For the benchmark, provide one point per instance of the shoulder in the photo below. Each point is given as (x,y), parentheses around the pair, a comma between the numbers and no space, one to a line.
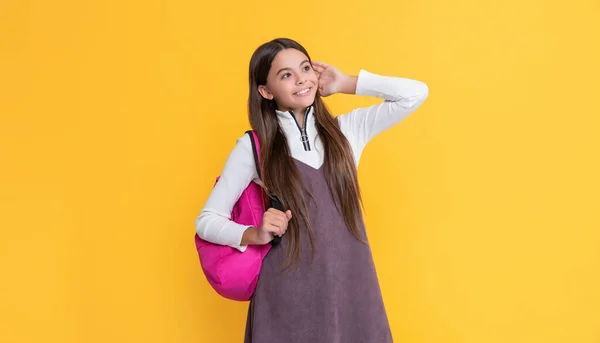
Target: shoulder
(243,148)
(240,162)
(243,143)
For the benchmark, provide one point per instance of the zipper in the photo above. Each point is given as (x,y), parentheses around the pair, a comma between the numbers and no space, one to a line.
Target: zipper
(303,134)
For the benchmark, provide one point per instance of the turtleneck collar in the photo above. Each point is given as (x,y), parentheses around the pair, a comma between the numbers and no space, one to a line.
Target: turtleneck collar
(289,117)
(289,121)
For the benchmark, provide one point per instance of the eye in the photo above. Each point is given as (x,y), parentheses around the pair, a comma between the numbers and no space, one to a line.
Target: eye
(307,68)
(286,75)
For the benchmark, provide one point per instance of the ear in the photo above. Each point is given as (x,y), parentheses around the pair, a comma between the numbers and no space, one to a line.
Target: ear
(265,92)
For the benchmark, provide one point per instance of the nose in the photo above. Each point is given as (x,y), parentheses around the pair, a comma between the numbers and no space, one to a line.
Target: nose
(300,80)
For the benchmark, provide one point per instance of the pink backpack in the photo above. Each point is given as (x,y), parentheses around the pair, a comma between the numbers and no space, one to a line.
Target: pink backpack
(234,274)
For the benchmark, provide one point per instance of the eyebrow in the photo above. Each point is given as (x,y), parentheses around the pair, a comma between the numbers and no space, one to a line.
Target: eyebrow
(282,69)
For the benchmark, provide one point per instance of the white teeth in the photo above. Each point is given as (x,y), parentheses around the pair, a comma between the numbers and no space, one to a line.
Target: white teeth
(304,91)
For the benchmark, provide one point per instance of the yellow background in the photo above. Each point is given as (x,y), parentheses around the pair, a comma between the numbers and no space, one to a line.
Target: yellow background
(482,206)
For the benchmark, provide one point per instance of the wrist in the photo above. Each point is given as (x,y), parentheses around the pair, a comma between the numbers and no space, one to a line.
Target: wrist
(252,236)
(348,84)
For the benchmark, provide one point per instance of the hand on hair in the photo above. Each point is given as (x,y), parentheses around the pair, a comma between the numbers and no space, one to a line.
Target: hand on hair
(332,80)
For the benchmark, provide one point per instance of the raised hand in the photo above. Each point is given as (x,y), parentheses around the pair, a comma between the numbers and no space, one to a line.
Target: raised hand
(332,80)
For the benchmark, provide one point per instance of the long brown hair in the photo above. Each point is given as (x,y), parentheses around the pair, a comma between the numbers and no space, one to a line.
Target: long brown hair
(279,173)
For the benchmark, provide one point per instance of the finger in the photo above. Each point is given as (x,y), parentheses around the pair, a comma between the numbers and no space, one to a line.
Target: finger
(275,211)
(284,226)
(286,222)
(281,229)
(318,68)
(320,64)
(282,215)
(279,222)
(278,219)
(273,229)
(271,212)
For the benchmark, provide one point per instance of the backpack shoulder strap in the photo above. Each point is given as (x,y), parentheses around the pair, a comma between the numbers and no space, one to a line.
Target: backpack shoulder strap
(255,150)
(273,201)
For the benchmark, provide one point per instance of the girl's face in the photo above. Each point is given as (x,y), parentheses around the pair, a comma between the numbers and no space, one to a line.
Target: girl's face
(291,81)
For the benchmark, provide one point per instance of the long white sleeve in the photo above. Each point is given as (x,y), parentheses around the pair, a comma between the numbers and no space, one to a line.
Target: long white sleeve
(214,223)
(402,97)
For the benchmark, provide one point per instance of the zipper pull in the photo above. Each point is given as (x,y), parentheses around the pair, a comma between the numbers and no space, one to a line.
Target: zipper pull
(305,141)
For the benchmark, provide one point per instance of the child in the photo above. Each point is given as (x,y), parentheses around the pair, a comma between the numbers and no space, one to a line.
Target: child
(319,284)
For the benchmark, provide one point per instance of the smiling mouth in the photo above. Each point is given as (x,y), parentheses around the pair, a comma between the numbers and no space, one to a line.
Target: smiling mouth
(303,92)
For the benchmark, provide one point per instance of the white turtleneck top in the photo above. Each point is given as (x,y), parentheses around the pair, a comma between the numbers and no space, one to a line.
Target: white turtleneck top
(401,97)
